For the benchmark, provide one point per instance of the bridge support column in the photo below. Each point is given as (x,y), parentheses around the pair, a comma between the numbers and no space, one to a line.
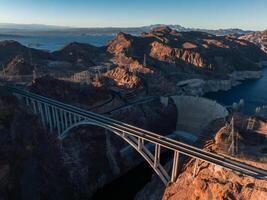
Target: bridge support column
(140,143)
(62,124)
(65,120)
(58,127)
(48,118)
(175,166)
(34,107)
(124,135)
(157,155)
(54,117)
(27,101)
(75,119)
(40,109)
(71,119)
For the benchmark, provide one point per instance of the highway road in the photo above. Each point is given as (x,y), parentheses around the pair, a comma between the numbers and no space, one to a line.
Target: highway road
(154,138)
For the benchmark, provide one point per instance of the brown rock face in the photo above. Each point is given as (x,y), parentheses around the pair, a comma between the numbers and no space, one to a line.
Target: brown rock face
(123,41)
(258,38)
(166,48)
(122,77)
(213,182)
(167,54)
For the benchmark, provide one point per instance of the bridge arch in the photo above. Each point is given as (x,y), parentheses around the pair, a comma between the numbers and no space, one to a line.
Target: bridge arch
(131,140)
(60,118)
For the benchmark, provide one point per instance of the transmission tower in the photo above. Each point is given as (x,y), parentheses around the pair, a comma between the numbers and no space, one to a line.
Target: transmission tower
(251,123)
(233,138)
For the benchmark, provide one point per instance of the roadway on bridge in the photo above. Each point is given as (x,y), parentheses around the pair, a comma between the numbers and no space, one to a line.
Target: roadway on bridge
(154,138)
(168,143)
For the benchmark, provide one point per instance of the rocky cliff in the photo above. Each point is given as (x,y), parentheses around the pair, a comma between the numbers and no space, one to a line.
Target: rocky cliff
(212,182)
(168,48)
(30,167)
(10,49)
(258,38)
(170,56)
(83,55)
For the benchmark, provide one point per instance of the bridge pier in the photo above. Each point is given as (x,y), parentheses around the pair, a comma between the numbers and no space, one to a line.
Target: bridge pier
(71,119)
(49,120)
(157,155)
(27,101)
(61,118)
(140,143)
(40,109)
(175,166)
(53,117)
(64,120)
(34,106)
(58,127)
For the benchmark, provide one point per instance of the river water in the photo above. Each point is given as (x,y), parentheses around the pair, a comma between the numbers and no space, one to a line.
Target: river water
(254,93)
(55,42)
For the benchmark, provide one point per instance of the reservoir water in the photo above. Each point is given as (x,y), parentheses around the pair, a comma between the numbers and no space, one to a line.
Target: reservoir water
(254,93)
(52,43)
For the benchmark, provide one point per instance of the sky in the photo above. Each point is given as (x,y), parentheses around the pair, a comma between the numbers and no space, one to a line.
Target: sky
(212,14)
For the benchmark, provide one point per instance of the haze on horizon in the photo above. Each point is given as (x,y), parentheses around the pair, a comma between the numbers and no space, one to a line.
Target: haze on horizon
(210,14)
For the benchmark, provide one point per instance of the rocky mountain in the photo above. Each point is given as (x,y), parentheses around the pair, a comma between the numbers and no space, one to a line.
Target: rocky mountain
(212,182)
(39,29)
(258,38)
(21,60)
(82,54)
(162,55)
(10,49)
(168,50)
(19,66)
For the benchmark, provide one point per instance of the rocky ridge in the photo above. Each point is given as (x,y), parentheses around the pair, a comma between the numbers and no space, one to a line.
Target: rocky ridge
(258,38)
(161,54)
(212,182)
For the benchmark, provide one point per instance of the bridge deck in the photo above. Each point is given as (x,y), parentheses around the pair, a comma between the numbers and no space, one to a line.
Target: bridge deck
(148,136)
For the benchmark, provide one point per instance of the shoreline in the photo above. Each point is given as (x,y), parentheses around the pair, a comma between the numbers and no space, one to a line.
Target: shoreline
(200,87)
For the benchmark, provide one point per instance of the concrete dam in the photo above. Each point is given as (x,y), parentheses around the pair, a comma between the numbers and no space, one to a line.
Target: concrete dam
(195,113)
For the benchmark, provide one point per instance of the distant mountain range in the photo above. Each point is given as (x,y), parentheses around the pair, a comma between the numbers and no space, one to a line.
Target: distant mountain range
(39,29)
(30,26)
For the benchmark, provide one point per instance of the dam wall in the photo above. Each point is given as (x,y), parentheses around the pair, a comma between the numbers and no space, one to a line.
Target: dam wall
(195,113)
